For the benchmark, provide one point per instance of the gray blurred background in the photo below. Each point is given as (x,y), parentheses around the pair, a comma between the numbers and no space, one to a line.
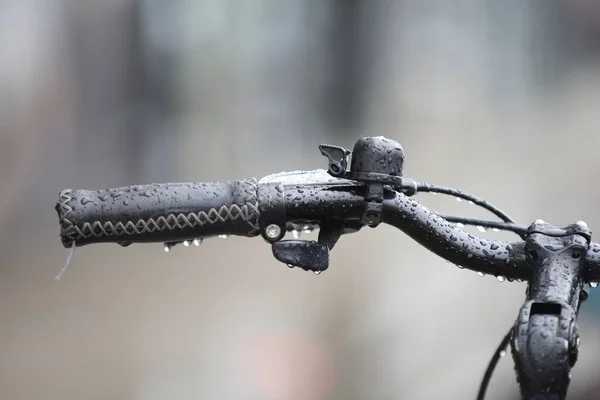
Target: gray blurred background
(497,98)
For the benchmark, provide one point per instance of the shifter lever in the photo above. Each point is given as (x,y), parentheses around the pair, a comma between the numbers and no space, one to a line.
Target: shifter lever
(308,255)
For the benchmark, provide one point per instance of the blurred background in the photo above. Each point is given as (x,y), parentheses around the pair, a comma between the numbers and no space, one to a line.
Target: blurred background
(500,99)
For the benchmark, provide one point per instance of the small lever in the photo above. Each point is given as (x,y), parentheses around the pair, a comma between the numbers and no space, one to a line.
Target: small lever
(308,255)
(338,159)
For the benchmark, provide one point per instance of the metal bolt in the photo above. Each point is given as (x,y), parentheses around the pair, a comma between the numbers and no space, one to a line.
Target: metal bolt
(273,231)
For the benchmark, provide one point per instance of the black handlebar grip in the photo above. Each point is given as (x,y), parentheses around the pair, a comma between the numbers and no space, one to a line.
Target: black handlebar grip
(158,212)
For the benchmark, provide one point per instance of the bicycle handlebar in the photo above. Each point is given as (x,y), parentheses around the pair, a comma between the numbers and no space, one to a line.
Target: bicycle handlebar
(187,211)
(556,262)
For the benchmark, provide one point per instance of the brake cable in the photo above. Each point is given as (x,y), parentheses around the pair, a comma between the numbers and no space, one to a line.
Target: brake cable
(489,371)
(507,224)
(481,223)
(426,187)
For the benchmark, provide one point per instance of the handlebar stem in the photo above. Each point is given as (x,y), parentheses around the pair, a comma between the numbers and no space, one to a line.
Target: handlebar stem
(545,339)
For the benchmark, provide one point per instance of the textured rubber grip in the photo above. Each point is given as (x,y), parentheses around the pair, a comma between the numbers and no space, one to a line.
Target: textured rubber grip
(158,212)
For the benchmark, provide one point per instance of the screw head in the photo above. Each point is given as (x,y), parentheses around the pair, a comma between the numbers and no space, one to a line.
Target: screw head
(581,224)
(273,231)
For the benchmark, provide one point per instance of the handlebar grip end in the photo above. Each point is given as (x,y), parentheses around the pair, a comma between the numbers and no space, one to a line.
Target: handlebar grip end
(63,209)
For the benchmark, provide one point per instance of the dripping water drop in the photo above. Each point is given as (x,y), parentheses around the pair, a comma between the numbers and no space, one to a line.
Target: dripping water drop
(500,278)
(67,262)
(186,243)
(594,284)
(481,274)
(480,228)
(223,236)
(197,242)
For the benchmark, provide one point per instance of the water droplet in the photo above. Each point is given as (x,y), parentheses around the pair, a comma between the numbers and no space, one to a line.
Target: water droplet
(480,228)
(458,199)
(453,238)
(186,243)
(471,202)
(317,272)
(460,266)
(197,242)
(594,284)
(167,248)
(500,278)
(460,225)
(125,203)
(307,229)
(223,236)
(290,266)
(493,246)
(502,353)
(295,234)
(480,274)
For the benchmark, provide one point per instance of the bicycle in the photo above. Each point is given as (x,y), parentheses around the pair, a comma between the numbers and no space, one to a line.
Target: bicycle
(560,265)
